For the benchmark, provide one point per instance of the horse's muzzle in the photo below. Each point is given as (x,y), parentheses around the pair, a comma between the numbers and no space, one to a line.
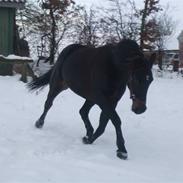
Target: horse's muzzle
(138,106)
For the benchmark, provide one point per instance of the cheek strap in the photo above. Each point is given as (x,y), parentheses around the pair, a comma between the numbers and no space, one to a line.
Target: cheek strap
(132,95)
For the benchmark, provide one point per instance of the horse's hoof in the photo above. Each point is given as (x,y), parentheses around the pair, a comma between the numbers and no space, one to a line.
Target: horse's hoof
(39,124)
(86,140)
(122,155)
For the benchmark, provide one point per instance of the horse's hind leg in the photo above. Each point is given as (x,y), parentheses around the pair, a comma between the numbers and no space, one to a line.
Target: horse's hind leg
(99,131)
(84,111)
(101,128)
(55,89)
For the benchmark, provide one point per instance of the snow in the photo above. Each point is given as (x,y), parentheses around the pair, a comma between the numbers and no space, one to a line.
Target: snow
(15,57)
(56,154)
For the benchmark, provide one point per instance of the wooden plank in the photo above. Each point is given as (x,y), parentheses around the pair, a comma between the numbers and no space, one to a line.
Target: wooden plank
(6,67)
(13,61)
(15,4)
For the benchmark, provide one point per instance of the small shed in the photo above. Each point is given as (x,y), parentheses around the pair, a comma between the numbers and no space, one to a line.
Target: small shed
(7,24)
(8,39)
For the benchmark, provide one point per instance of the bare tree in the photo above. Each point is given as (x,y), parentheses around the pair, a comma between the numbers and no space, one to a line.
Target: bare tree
(147,23)
(165,27)
(31,24)
(88,27)
(55,11)
(47,21)
(118,23)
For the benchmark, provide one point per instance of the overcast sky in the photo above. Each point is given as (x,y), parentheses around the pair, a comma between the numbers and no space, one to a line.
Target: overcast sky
(176,13)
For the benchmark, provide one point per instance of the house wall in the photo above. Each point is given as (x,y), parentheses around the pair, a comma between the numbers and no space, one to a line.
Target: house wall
(181,53)
(6,30)
(180,39)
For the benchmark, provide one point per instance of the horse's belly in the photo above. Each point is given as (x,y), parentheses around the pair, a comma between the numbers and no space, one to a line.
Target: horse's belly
(78,80)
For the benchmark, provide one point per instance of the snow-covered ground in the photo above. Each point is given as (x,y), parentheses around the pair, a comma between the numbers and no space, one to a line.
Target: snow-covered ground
(56,154)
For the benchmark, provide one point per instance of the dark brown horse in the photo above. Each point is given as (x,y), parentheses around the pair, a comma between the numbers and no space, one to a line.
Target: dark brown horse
(100,75)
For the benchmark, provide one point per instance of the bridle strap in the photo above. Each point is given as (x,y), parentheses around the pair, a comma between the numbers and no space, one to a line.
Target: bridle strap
(132,95)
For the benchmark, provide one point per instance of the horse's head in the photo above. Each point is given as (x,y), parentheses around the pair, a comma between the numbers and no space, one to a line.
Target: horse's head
(128,56)
(140,77)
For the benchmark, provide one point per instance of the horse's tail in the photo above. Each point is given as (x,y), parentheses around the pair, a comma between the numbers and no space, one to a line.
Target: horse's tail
(41,81)
(56,70)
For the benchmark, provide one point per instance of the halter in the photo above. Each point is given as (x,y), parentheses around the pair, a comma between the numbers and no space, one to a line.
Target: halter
(129,83)
(132,95)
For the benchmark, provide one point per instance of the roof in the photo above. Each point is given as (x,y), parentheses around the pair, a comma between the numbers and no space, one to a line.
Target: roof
(12,3)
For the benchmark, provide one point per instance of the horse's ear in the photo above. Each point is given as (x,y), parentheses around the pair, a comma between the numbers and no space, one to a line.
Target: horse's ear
(152,59)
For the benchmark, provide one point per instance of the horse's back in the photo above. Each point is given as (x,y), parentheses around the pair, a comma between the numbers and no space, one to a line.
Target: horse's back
(84,68)
(68,50)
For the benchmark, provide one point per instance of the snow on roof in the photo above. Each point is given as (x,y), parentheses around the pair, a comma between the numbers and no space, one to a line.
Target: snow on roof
(12,3)
(15,57)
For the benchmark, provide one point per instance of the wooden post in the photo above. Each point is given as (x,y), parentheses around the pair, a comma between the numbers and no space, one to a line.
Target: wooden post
(24,73)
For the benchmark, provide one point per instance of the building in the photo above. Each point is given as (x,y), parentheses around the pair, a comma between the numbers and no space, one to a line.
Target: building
(168,56)
(180,39)
(9,40)
(7,24)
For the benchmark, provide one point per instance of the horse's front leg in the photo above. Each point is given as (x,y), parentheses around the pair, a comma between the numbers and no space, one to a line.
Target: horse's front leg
(109,112)
(103,122)
(121,151)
